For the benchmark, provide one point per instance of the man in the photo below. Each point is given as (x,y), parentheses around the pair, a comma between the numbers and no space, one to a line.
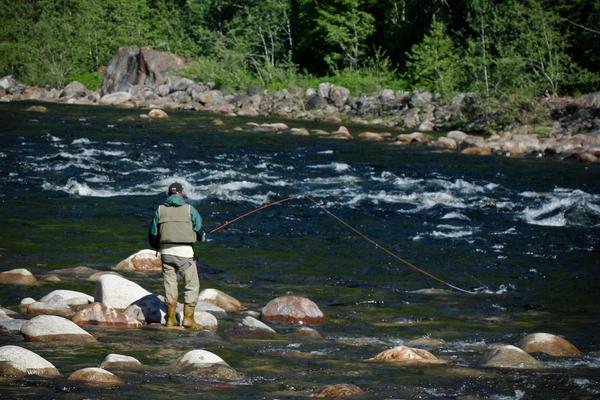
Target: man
(176,226)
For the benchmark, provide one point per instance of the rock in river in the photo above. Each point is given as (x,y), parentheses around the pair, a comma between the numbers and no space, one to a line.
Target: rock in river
(102,315)
(96,376)
(221,299)
(509,357)
(17,362)
(407,356)
(292,310)
(118,292)
(206,365)
(50,328)
(70,297)
(143,261)
(119,361)
(338,390)
(550,344)
(19,276)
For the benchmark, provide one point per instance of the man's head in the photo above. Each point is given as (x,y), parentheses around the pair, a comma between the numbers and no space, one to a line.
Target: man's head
(175,188)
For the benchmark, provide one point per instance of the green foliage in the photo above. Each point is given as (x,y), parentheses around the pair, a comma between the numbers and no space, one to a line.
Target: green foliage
(435,62)
(91,80)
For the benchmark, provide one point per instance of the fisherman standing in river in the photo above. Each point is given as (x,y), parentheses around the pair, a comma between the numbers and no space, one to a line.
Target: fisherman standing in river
(176,226)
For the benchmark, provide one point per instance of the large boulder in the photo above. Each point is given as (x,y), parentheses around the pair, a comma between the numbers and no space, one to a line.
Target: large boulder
(509,357)
(118,292)
(7,83)
(251,327)
(102,315)
(315,103)
(19,276)
(51,328)
(147,261)
(119,361)
(17,362)
(292,310)
(95,376)
(70,297)
(407,356)
(339,95)
(221,299)
(134,66)
(549,344)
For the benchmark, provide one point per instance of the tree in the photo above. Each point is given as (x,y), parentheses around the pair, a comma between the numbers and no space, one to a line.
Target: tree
(435,63)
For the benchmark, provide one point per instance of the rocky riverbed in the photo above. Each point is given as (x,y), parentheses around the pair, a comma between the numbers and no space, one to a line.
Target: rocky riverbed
(122,304)
(147,79)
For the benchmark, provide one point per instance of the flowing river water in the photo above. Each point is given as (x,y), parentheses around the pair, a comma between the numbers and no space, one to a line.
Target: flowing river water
(79,186)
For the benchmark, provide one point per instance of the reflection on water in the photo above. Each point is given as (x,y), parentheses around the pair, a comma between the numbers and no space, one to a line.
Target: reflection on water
(79,185)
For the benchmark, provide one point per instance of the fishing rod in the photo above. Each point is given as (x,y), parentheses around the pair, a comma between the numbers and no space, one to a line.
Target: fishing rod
(351,228)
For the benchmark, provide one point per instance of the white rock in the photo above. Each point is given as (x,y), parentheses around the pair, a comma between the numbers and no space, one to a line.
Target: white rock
(51,328)
(116,98)
(70,297)
(199,359)
(220,299)
(145,260)
(118,292)
(17,361)
(119,360)
(253,323)
(211,308)
(95,376)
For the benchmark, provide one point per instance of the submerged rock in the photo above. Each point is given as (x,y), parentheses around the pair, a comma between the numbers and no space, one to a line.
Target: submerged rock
(16,361)
(51,328)
(338,390)
(305,332)
(119,361)
(94,375)
(549,344)
(143,261)
(11,325)
(118,292)
(509,357)
(19,276)
(292,310)
(371,136)
(38,109)
(477,151)
(221,299)
(75,272)
(102,315)
(407,356)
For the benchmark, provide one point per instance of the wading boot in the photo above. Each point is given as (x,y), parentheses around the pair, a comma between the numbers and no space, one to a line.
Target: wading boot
(188,318)
(171,315)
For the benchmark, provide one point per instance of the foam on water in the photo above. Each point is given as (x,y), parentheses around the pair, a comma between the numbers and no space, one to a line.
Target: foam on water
(561,207)
(336,166)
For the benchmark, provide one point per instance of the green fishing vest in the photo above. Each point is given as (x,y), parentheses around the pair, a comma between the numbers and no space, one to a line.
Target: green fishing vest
(175,225)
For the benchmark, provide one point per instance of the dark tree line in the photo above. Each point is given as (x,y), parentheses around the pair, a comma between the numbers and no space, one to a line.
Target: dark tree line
(531,47)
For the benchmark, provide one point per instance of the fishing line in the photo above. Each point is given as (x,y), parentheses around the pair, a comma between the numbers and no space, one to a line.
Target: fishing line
(351,228)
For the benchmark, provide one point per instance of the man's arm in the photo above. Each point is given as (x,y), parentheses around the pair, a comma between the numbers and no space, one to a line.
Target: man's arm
(197,223)
(153,239)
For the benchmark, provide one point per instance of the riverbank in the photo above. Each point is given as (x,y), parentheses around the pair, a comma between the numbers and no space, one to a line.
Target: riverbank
(142,78)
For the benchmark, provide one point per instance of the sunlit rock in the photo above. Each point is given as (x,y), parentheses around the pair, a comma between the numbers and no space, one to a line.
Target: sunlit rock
(251,327)
(51,328)
(341,133)
(114,99)
(118,292)
(95,376)
(221,299)
(373,136)
(102,315)
(203,364)
(38,109)
(70,297)
(415,137)
(457,136)
(338,390)
(407,356)
(143,261)
(16,361)
(477,151)
(19,276)
(74,89)
(211,308)
(55,306)
(445,143)
(119,361)
(509,357)
(549,344)
(292,310)
(158,114)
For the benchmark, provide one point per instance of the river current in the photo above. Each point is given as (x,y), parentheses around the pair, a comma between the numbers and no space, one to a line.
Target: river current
(79,186)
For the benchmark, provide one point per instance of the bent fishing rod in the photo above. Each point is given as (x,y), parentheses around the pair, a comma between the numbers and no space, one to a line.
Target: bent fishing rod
(348,226)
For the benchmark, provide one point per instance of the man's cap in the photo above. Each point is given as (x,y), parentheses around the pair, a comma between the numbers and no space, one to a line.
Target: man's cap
(175,188)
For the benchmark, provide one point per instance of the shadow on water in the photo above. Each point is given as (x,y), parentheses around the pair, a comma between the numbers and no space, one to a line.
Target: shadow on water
(79,184)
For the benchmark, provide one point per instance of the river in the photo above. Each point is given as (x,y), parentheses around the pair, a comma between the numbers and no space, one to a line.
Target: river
(79,186)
